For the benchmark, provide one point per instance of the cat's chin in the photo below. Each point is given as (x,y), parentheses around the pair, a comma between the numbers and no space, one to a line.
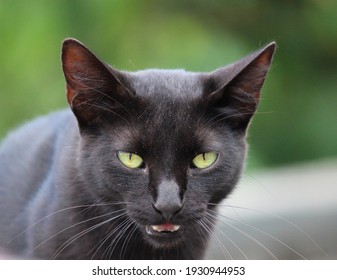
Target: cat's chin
(164,235)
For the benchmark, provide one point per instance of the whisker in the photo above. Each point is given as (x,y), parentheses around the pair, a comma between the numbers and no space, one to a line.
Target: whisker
(144,112)
(108,106)
(62,210)
(103,93)
(127,239)
(87,103)
(85,206)
(264,233)
(202,235)
(82,233)
(282,219)
(120,234)
(227,237)
(230,113)
(248,176)
(69,227)
(101,242)
(222,247)
(253,239)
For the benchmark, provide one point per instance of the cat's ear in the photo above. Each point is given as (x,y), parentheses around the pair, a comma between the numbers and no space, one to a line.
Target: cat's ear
(93,88)
(235,90)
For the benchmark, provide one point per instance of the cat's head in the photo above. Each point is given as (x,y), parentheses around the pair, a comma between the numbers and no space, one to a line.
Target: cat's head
(169,144)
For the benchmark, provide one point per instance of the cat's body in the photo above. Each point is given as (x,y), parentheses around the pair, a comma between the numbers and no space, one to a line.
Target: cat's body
(67,192)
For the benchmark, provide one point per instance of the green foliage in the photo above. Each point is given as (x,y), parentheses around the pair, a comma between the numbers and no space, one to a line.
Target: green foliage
(298,112)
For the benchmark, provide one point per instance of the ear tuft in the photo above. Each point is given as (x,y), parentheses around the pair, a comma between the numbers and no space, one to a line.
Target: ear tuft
(93,88)
(238,86)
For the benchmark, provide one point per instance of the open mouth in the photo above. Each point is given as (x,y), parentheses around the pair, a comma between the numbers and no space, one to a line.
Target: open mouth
(166,229)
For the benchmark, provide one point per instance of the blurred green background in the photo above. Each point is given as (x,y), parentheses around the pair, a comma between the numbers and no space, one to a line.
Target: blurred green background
(297,119)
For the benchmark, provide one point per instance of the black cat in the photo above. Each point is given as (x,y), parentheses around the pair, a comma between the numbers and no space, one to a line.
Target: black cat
(138,166)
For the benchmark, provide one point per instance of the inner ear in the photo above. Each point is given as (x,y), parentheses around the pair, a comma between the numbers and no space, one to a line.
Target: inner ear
(237,87)
(93,88)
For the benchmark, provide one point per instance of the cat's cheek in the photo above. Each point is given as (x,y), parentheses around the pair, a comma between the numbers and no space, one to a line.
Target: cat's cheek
(120,177)
(212,187)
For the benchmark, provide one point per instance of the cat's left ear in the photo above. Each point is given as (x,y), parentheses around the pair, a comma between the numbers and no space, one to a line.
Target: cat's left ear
(235,90)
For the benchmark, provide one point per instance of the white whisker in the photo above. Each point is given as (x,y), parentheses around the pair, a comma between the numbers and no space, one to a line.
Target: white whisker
(106,238)
(127,223)
(227,237)
(210,232)
(69,227)
(264,233)
(127,240)
(85,206)
(82,233)
(278,217)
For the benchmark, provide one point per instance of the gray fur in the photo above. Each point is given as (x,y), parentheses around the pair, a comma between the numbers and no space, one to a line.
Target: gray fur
(63,192)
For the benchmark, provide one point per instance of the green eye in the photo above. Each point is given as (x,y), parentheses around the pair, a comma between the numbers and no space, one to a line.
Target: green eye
(204,160)
(130,160)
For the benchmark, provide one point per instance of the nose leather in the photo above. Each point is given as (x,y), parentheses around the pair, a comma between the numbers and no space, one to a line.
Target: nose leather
(168,201)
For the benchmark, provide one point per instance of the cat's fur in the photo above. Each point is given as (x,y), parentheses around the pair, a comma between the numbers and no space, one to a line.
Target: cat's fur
(64,193)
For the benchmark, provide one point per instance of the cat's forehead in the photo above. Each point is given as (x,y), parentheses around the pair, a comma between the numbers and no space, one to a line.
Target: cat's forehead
(175,83)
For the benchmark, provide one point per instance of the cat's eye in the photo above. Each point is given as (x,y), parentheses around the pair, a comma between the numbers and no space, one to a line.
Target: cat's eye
(130,160)
(204,160)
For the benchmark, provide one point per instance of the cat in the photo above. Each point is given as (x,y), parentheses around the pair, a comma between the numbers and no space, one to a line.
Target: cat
(135,168)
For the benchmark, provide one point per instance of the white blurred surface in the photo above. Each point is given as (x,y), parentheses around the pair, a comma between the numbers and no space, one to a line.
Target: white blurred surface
(286,213)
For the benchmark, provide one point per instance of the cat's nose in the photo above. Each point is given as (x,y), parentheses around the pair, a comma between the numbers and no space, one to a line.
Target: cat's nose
(168,202)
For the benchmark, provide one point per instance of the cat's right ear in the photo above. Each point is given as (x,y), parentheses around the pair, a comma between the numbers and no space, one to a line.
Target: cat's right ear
(93,88)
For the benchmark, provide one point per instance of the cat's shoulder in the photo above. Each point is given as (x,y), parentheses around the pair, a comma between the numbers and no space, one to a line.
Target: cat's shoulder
(39,128)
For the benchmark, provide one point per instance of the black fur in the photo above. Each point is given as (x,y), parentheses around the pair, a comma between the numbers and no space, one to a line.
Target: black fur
(63,192)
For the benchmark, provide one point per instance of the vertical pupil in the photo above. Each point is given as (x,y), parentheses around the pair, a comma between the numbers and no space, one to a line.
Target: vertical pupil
(204,156)
(130,156)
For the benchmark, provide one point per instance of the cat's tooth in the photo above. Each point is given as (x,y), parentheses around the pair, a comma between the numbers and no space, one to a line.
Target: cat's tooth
(156,228)
(175,228)
(159,228)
